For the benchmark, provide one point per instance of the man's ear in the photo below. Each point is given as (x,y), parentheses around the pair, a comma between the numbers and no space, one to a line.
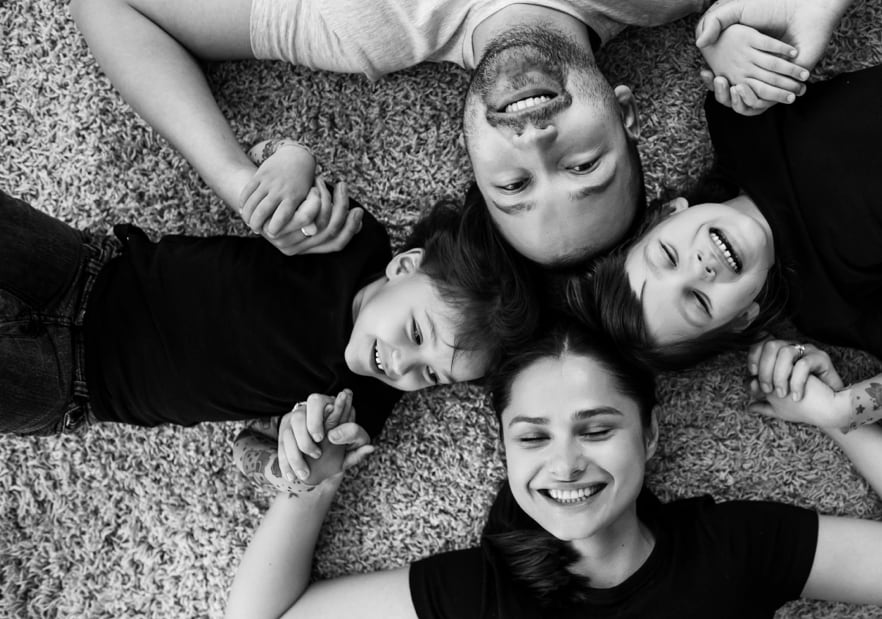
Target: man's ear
(628,110)
(650,436)
(405,262)
(745,318)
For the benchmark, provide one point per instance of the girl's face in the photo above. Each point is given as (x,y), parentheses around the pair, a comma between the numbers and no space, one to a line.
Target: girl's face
(701,268)
(575,447)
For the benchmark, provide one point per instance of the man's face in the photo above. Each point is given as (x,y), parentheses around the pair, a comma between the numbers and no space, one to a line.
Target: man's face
(549,144)
(404,333)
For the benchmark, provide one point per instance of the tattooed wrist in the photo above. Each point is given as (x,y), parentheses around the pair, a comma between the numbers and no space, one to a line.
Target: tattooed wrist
(271,146)
(866,403)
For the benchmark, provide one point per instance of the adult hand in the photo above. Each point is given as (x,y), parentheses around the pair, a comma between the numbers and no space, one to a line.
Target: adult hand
(783,367)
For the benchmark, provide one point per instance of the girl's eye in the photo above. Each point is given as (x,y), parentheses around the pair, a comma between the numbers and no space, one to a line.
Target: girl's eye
(433,376)
(415,332)
(514,186)
(702,302)
(582,168)
(672,257)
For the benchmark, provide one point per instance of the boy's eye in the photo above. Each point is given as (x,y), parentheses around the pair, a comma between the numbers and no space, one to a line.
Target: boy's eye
(702,302)
(513,186)
(671,255)
(415,332)
(433,376)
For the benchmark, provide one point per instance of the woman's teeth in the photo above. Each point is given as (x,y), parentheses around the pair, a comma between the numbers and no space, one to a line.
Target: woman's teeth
(723,243)
(529,102)
(574,496)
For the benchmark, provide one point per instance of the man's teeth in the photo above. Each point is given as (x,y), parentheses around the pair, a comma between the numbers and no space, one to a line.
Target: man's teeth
(727,251)
(574,496)
(529,102)
(377,359)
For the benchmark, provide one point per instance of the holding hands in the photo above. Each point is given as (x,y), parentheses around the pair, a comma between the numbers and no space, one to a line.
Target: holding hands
(803,26)
(295,211)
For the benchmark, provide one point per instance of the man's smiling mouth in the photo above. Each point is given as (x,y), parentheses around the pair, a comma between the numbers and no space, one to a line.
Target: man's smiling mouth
(377,361)
(526,103)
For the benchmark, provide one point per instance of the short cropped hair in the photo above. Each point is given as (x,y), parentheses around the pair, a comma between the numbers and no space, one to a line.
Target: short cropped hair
(491,287)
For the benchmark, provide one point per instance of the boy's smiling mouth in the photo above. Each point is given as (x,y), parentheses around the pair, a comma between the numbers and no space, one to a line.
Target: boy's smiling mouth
(378,363)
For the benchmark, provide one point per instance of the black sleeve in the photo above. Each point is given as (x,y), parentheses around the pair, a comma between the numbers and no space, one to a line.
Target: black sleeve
(774,546)
(448,585)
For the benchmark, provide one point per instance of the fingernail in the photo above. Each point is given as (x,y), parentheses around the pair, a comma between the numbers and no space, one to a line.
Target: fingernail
(804,75)
(791,98)
(796,397)
(793,53)
(753,369)
(767,388)
(781,393)
(317,437)
(289,476)
(316,454)
(333,435)
(302,474)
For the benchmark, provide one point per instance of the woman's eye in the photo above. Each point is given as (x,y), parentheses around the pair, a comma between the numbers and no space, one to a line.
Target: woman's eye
(582,168)
(433,376)
(702,302)
(672,257)
(514,186)
(415,332)
(598,433)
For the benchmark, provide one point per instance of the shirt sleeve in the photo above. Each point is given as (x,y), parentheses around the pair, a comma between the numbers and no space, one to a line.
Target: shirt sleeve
(448,585)
(774,545)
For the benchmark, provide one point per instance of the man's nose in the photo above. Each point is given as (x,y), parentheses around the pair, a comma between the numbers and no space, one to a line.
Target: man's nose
(532,134)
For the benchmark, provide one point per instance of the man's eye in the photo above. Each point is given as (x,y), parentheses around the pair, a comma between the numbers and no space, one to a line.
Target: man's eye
(433,376)
(415,332)
(582,168)
(672,257)
(514,186)
(702,302)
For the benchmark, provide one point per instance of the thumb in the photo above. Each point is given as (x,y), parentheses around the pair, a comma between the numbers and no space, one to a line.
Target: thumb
(714,21)
(354,457)
(350,434)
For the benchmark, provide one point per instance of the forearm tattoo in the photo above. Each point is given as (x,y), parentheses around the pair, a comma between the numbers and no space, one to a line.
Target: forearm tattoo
(866,403)
(258,458)
(271,146)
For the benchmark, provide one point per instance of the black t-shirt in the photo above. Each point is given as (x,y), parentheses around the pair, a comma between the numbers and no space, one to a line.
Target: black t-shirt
(222,328)
(737,559)
(814,169)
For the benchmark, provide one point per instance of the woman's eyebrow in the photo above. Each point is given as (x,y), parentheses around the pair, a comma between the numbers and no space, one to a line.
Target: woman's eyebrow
(581,415)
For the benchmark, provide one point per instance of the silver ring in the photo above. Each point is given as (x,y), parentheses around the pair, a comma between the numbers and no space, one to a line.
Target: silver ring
(307,231)
(800,351)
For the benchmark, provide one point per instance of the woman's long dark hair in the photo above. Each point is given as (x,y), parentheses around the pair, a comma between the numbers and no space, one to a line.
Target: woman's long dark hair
(606,293)
(531,556)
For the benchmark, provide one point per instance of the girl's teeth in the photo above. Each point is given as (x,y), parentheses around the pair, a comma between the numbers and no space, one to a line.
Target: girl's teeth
(724,248)
(523,104)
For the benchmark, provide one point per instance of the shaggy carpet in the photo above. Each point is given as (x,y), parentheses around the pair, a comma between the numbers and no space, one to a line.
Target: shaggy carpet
(124,522)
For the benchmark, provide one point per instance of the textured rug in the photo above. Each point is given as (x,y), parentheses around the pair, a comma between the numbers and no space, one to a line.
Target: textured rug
(123,522)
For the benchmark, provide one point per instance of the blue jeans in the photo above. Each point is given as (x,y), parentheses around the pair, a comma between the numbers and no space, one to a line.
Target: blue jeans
(47,269)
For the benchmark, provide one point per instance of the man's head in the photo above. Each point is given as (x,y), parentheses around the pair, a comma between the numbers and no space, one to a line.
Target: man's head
(552,145)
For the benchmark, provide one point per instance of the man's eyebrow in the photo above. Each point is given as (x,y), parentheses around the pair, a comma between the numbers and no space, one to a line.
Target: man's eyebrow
(580,415)
(516,208)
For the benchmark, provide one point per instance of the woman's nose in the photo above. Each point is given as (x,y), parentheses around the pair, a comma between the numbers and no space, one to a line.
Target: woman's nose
(569,463)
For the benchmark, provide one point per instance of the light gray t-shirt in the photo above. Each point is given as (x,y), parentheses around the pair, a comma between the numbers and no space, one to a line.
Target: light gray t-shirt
(376,37)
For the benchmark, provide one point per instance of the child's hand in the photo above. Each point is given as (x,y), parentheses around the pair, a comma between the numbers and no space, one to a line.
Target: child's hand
(321,429)
(758,64)
(784,368)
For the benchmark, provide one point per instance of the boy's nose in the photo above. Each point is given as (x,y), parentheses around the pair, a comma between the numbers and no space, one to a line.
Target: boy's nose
(401,362)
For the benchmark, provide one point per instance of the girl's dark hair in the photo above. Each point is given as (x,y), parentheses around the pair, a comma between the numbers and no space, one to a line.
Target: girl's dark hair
(607,294)
(531,556)
(491,287)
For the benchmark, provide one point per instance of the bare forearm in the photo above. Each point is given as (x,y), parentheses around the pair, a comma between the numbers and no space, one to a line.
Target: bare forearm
(863,447)
(276,567)
(864,403)
(163,82)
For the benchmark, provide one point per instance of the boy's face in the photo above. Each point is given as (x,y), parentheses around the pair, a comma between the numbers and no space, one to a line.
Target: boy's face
(403,332)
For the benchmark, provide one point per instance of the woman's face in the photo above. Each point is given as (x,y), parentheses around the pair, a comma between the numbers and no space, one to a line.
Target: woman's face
(699,269)
(575,448)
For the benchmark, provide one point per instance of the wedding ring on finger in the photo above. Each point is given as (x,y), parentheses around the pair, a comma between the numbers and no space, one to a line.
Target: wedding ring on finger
(800,351)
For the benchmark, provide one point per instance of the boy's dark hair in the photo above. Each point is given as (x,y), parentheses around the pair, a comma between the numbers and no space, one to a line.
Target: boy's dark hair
(473,270)
(605,292)
(530,555)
